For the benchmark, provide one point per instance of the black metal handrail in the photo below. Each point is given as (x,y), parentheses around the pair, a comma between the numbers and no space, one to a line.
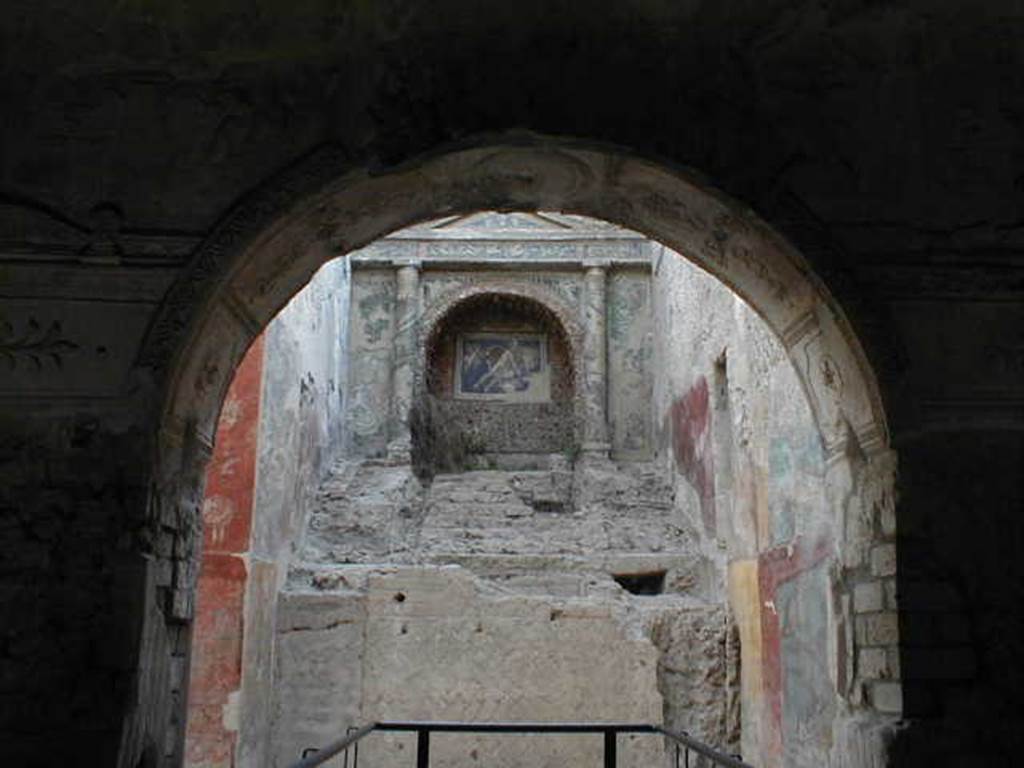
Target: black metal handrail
(314,756)
(684,743)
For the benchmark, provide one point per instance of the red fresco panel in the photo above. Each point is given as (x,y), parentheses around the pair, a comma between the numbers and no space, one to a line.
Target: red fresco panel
(777,566)
(690,417)
(216,670)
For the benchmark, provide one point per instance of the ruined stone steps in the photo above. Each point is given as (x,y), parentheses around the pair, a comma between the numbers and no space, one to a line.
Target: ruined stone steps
(363,512)
(373,512)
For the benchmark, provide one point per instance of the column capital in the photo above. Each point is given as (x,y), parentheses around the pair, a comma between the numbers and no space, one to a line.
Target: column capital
(594,265)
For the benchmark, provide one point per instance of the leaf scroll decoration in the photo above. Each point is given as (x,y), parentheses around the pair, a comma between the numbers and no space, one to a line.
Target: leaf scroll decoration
(36,346)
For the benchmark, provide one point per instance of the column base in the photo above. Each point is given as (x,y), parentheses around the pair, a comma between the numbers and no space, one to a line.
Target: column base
(399,452)
(595,453)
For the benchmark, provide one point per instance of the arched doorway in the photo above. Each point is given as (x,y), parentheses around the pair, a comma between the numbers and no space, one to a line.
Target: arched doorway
(730,243)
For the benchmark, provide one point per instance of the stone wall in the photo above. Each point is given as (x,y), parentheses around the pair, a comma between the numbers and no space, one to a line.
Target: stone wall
(492,595)
(438,644)
(302,430)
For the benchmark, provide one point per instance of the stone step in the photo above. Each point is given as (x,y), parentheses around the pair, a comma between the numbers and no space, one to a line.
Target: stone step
(378,512)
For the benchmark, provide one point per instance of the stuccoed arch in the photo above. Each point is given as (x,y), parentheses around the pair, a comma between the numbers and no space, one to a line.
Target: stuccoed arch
(270,246)
(267,250)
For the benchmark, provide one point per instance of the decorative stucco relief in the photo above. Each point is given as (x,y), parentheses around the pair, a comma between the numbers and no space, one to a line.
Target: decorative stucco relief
(444,293)
(561,288)
(36,346)
(43,350)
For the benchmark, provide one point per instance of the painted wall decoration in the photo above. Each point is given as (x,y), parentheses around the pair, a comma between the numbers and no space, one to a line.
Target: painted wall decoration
(371,337)
(690,422)
(500,366)
(630,376)
(220,624)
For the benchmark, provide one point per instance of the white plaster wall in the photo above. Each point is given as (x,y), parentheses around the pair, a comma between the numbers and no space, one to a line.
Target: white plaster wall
(766,450)
(765,456)
(301,431)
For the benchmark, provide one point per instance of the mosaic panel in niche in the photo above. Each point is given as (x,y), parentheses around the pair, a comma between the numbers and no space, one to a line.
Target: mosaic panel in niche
(502,366)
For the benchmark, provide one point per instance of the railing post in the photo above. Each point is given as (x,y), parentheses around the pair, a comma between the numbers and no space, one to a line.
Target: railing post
(610,745)
(422,748)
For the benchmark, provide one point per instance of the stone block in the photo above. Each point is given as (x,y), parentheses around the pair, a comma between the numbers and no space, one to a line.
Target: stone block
(887,697)
(873,663)
(178,671)
(888,520)
(867,597)
(894,663)
(883,560)
(877,629)
(180,604)
(891,594)
(164,544)
(163,572)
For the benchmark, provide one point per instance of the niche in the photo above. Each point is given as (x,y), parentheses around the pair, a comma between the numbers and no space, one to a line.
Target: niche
(499,386)
(649,583)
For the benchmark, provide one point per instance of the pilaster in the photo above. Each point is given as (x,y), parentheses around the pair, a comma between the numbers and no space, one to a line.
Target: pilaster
(595,361)
(407,314)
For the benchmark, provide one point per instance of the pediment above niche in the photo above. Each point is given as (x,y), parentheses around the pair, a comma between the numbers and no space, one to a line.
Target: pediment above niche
(493,225)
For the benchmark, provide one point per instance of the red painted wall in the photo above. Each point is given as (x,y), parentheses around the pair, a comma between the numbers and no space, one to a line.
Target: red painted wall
(219,629)
(690,421)
(776,567)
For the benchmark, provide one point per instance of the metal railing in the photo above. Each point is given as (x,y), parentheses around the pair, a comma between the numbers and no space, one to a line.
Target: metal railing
(685,745)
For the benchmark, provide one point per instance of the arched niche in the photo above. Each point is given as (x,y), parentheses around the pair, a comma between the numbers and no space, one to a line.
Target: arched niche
(545,305)
(526,423)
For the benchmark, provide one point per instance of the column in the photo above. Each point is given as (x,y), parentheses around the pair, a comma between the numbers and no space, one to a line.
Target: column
(595,363)
(407,315)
